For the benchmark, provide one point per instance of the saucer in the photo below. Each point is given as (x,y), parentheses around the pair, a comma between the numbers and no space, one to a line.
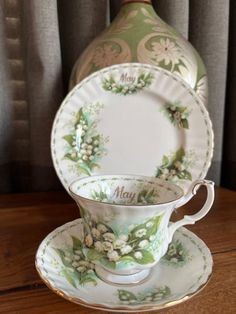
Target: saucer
(132,118)
(181,273)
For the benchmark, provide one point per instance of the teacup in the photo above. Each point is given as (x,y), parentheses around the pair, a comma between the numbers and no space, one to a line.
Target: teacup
(126,222)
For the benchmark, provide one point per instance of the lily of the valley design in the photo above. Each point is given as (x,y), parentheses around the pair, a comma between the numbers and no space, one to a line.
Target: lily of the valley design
(177,114)
(76,268)
(176,166)
(85,146)
(109,248)
(177,255)
(123,87)
(154,295)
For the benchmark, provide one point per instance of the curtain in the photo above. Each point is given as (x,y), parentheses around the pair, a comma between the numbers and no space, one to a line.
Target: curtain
(41,40)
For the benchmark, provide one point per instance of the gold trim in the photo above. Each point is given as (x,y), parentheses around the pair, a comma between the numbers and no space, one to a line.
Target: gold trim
(122,308)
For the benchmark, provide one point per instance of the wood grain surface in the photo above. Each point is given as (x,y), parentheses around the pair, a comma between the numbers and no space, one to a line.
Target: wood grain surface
(26,219)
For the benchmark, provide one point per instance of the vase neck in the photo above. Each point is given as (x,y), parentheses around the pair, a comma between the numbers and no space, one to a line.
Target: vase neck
(136,1)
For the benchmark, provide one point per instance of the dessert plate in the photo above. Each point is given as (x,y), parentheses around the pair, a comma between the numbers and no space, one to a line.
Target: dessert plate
(181,273)
(132,118)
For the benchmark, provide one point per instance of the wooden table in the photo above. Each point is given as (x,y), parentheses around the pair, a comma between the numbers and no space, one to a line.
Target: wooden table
(25,219)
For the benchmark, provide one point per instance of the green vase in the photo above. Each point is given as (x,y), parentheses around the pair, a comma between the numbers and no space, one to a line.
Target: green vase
(137,34)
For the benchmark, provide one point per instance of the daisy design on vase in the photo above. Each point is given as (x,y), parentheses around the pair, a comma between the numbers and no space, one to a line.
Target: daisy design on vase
(105,56)
(166,51)
(85,146)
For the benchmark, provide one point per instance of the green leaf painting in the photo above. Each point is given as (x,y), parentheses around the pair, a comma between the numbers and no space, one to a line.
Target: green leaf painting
(110,248)
(176,166)
(177,114)
(147,196)
(85,146)
(152,295)
(76,268)
(177,255)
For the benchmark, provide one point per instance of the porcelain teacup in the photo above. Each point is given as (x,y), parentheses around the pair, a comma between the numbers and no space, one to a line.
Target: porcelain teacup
(126,222)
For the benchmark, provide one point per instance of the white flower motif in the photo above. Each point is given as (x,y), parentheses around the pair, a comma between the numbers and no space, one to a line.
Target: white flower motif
(171,251)
(98,246)
(102,228)
(76,257)
(142,83)
(123,237)
(138,255)
(107,246)
(108,236)
(84,263)
(174,179)
(149,224)
(96,233)
(143,243)
(73,155)
(177,116)
(152,238)
(167,51)
(113,256)
(179,166)
(148,299)
(163,176)
(81,269)
(90,271)
(77,252)
(118,244)
(126,249)
(88,240)
(158,296)
(140,233)
(165,171)
(75,264)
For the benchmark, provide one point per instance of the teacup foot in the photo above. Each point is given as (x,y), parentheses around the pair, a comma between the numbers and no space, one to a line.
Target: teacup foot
(117,279)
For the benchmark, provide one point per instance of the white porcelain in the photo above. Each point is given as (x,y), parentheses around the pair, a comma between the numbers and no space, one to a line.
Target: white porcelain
(132,118)
(126,221)
(180,274)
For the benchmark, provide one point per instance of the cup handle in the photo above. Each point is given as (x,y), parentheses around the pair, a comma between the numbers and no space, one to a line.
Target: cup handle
(190,220)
